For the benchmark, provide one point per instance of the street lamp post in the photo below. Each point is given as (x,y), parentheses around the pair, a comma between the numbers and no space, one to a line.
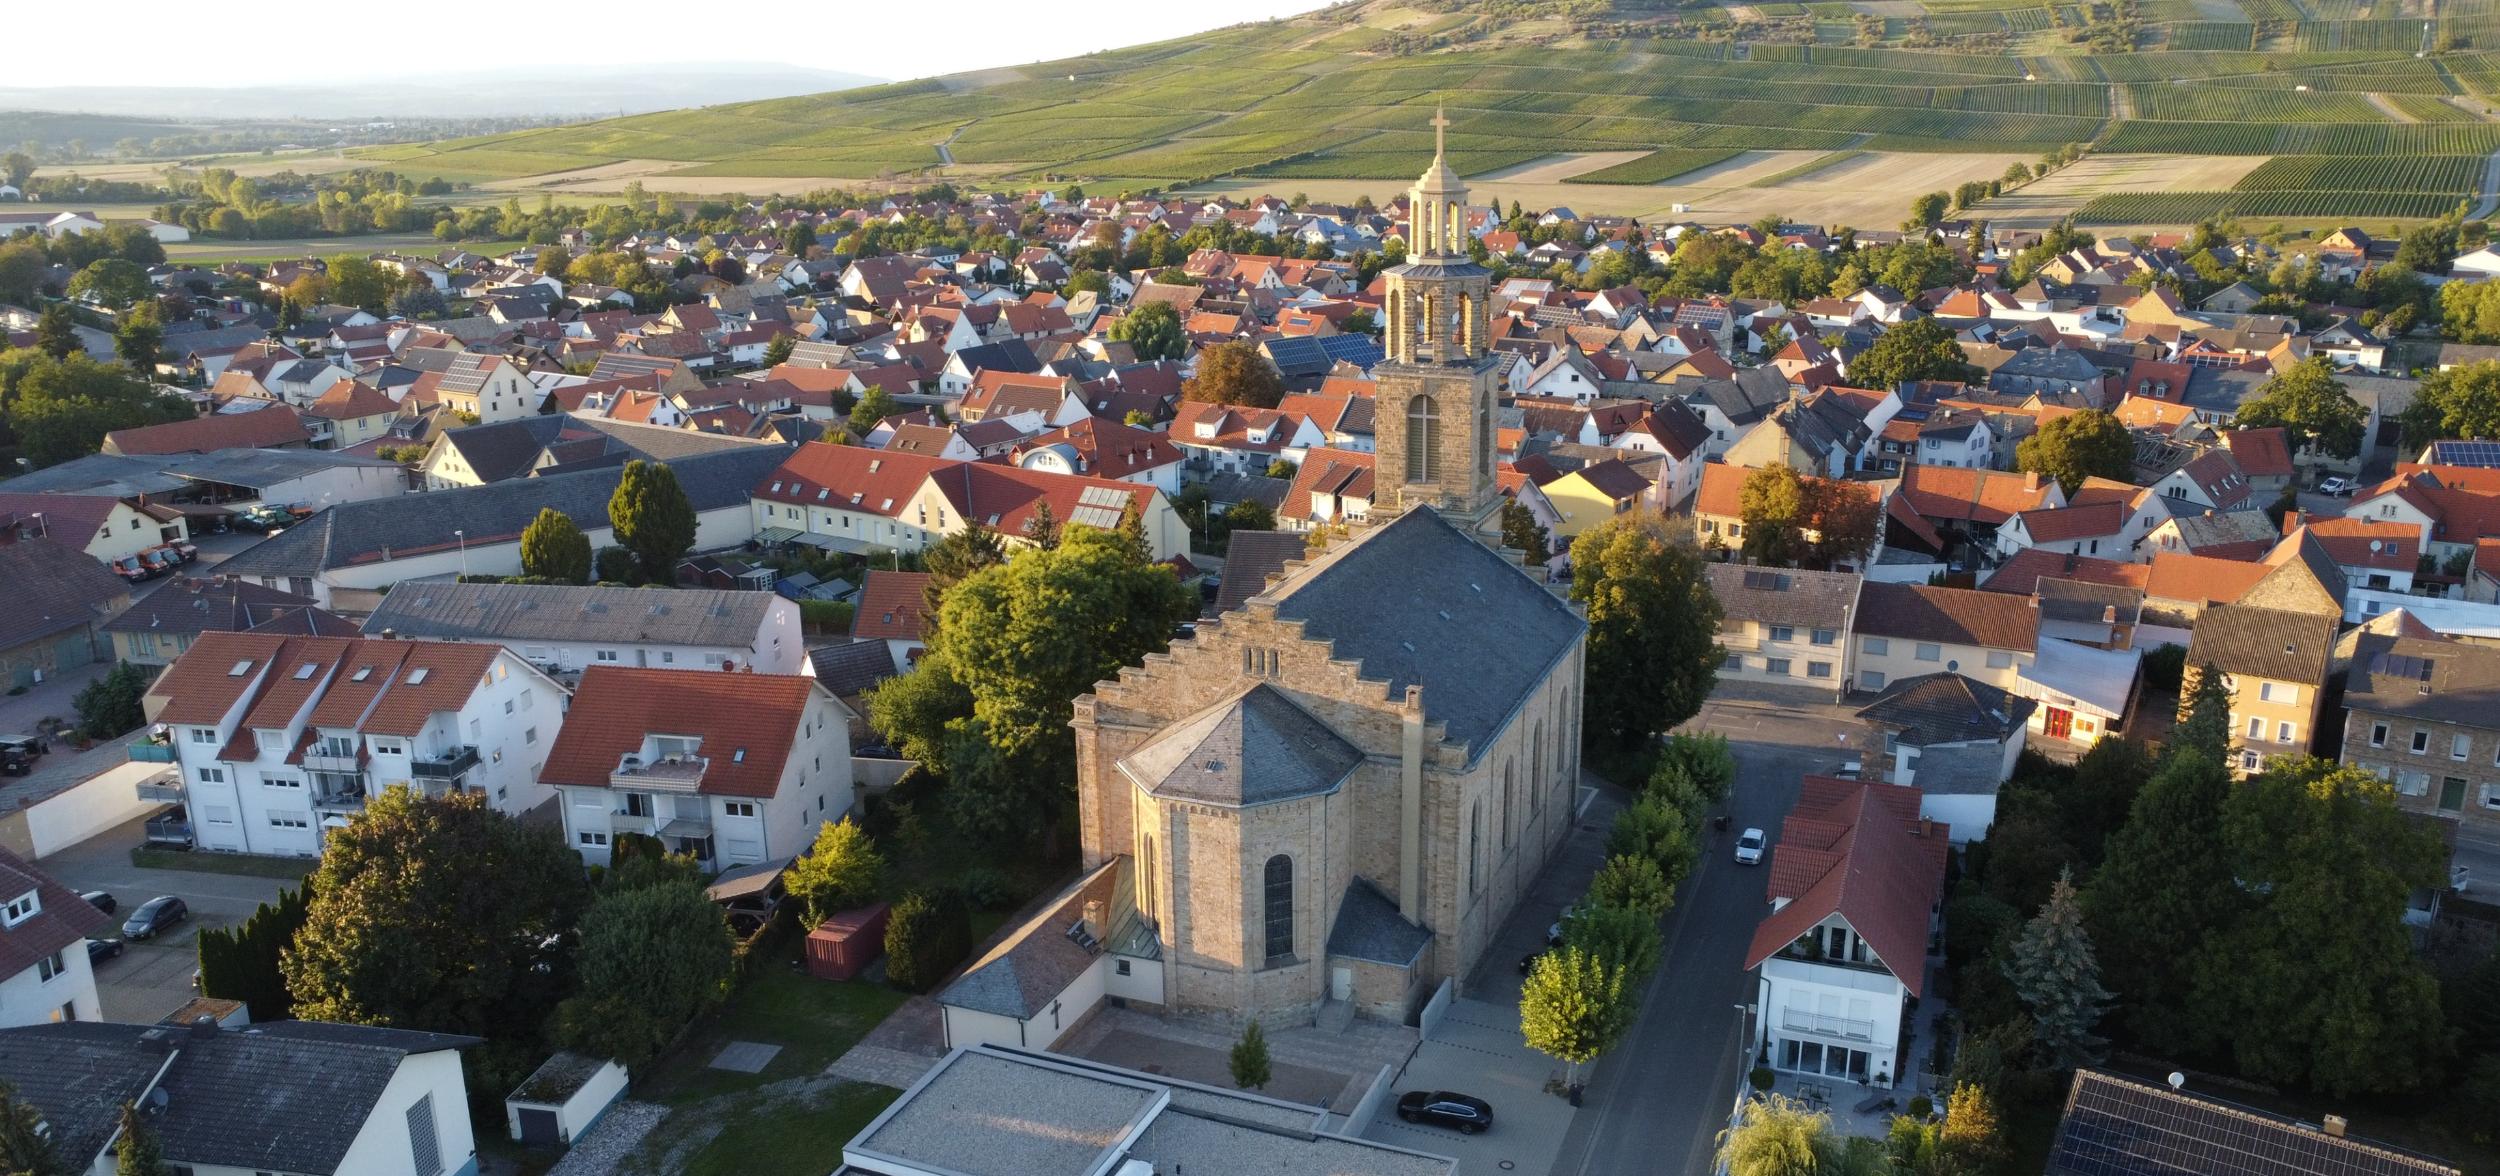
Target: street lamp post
(463,537)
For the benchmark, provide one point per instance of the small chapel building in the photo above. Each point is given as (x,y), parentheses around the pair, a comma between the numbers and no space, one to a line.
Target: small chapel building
(1325,802)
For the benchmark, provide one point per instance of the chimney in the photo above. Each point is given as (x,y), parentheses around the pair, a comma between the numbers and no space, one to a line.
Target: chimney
(203,1026)
(2334,1125)
(1093,923)
(2031,480)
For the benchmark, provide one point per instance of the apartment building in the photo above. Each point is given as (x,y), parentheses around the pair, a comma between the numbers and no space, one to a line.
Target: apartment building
(1905,630)
(1785,626)
(732,768)
(276,740)
(565,629)
(2418,715)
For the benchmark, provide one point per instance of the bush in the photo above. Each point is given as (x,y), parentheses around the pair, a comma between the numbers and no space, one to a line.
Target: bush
(987,888)
(1632,883)
(837,873)
(826,616)
(1762,1078)
(925,937)
(109,705)
(1922,1107)
(615,565)
(2165,668)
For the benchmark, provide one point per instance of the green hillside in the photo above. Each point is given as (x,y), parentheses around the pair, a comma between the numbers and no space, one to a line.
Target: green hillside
(1344,94)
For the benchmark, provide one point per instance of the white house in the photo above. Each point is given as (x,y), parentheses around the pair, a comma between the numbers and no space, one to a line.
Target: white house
(44,929)
(565,629)
(1077,943)
(278,740)
(322,1098)
(1956,740)
(488,387)
(1237,439)
(1839,961)
(732,768)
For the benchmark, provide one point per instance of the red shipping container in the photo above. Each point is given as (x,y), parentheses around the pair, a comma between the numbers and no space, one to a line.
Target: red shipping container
(846,942)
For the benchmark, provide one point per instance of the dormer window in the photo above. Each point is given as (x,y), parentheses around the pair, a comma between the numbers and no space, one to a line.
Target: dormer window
(21,908)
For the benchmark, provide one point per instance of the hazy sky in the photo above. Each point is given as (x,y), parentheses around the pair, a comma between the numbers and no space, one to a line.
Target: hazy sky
(316,44)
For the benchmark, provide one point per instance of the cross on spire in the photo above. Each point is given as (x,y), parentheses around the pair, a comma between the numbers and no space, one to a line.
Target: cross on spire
(1440,129)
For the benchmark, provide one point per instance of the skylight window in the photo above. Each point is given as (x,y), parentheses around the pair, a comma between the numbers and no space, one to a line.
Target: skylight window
(306,670)
(416,677)
(362,673)
(240,668)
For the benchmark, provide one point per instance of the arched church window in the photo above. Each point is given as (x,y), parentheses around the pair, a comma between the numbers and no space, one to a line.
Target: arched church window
(1509,797)
(1146,879)
(1423,440)
(1279,909)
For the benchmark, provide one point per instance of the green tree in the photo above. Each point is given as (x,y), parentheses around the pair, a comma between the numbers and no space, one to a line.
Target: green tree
(1235,372)
(1973,1135)
(1653,628)
(16,167)
(136,1153)
(2311,407)
(614,565)
(1922,349)
(873,407)
(652,519)
(2318,985)
(839,872)
(1153,331)
(778,351)
(111,281)
(914,711)
(140,340)
(2165,887)
(2079,445)
(1249,514)
(357,281)
(2052,969)
(2461,401)
(1521,531)
(1249,1060)
(552,547)
(953,557)
(1624,939)
(1632,883)
(26,1147)
(1029,636)
(1927,210)
(61,409)
(54,332)
(109,705)
(22,265)
(925,937)
(436,915)
(1573,1007)
(1772,503)
(242,962)
(1779,1136)
(652,959)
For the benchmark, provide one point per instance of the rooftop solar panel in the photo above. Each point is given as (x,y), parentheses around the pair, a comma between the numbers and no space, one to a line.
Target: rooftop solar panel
(2119,1126)
(2479,454)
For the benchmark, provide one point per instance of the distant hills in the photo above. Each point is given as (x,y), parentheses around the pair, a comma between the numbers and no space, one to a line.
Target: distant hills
(537,90)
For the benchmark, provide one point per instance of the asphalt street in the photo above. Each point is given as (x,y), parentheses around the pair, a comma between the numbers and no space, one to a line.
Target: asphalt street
(1657,1103)
(152,978)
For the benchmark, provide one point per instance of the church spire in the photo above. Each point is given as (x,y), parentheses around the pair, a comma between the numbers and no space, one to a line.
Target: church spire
(1440,132)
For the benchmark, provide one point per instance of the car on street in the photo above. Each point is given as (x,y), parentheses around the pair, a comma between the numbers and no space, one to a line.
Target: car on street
(100,950)
(2336,487)
(1444,1108)
(29,746)
(1554,932)
(1749,847)
(155,917)
(101,900)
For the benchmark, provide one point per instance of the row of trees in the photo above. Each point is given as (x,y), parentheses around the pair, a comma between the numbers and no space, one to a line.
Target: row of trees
(57,404)
(652,519)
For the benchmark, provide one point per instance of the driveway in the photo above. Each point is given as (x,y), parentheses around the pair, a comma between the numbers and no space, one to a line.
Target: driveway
(152,978)
(1476,1049)
(1656,1103)
(214,549)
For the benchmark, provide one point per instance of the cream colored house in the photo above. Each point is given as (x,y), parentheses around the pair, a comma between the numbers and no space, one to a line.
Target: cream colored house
(1785,627)
(2274,647)
(1905,630)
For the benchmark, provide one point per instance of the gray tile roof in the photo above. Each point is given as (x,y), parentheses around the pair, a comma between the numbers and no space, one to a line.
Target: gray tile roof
(1034,964)
(2265,642)
(1947,708)
(287,1096)
(1784,596)
(1419,603)
(508,449)
(53,589)
(557,612)
(1369,927)
(1258,747)
(854,667)
(1250,557)
(126,475)
(369,531)
(2439,681)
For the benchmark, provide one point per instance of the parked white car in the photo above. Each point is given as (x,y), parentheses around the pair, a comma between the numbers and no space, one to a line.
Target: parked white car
(1749,847)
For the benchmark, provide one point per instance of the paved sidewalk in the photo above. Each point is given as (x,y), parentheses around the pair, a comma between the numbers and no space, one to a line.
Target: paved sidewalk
(1200,1050)
(1477,1050)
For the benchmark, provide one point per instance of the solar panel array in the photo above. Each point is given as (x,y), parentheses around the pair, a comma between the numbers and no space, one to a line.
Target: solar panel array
(2479,454)
(2119,1127)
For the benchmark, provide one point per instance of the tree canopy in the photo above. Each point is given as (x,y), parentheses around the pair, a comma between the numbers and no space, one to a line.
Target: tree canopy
(59,409)
(838,872)
(1922,349)
(2086,444)
(2311,407)
(652,519)
(551,546)
(1653,628)
(1573,1007)
(1153,331)
(2461,401)
(652,958)
(1235,372)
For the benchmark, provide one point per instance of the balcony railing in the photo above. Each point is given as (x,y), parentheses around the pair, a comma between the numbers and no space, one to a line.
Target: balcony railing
(149,751)
(688,821)
(322,761)
(625,822)
(349,797)
(676,772)
(450,765)
(1821,1025)
(162,788)
(169,830)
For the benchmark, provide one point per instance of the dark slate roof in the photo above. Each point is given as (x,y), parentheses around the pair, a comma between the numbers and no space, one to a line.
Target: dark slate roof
(852,668)
(504,449)
(52,589)
(1747,398)
(1419,603)
(1008,355)
(1023,973)
(1784,596)
(372,530)
(2265,642)
(1947,708)
(567,612)
(2119,1126)
(1229,488)
(287,1096)
(1250,557)
(1369,927)
(508,449)
(1258,747)
(2436,680)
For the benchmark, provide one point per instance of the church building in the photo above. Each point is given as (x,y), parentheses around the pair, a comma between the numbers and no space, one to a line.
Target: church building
(1326,802)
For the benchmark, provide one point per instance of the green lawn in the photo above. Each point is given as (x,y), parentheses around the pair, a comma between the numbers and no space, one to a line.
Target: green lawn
(780,1139)
(813,1021)
(246,864)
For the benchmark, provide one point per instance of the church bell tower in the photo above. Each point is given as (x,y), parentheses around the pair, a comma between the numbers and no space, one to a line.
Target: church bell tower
(1436,392)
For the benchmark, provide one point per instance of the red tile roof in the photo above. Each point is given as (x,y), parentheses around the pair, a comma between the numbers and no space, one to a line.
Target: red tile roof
(2023,573)
(350,400)
(1983,496)
(60,920)
(1327,473)
(849,477)
(2179,576)
(2075,522)
(2377,544)
(203,684)
(747,724)
(260,428)
(890,606)
(1857,850)
(2262,453)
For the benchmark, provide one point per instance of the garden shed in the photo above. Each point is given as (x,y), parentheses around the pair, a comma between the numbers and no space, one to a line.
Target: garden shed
(559,1102)
(846,942)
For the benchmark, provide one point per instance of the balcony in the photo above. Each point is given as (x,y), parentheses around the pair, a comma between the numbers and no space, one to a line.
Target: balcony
(169,830)
(621,821)
(688,821)
(326,761)
(347,796)
(449,765)
(162,788)
(149,751)
(678,773)
(1821,1025)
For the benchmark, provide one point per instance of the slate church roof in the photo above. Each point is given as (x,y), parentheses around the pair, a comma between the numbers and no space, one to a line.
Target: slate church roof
(1257,747)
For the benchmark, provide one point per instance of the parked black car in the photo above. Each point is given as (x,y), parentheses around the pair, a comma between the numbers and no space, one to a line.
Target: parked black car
(30,746)
(102,900)
(100,950)
(1465,1112)
(155,917)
